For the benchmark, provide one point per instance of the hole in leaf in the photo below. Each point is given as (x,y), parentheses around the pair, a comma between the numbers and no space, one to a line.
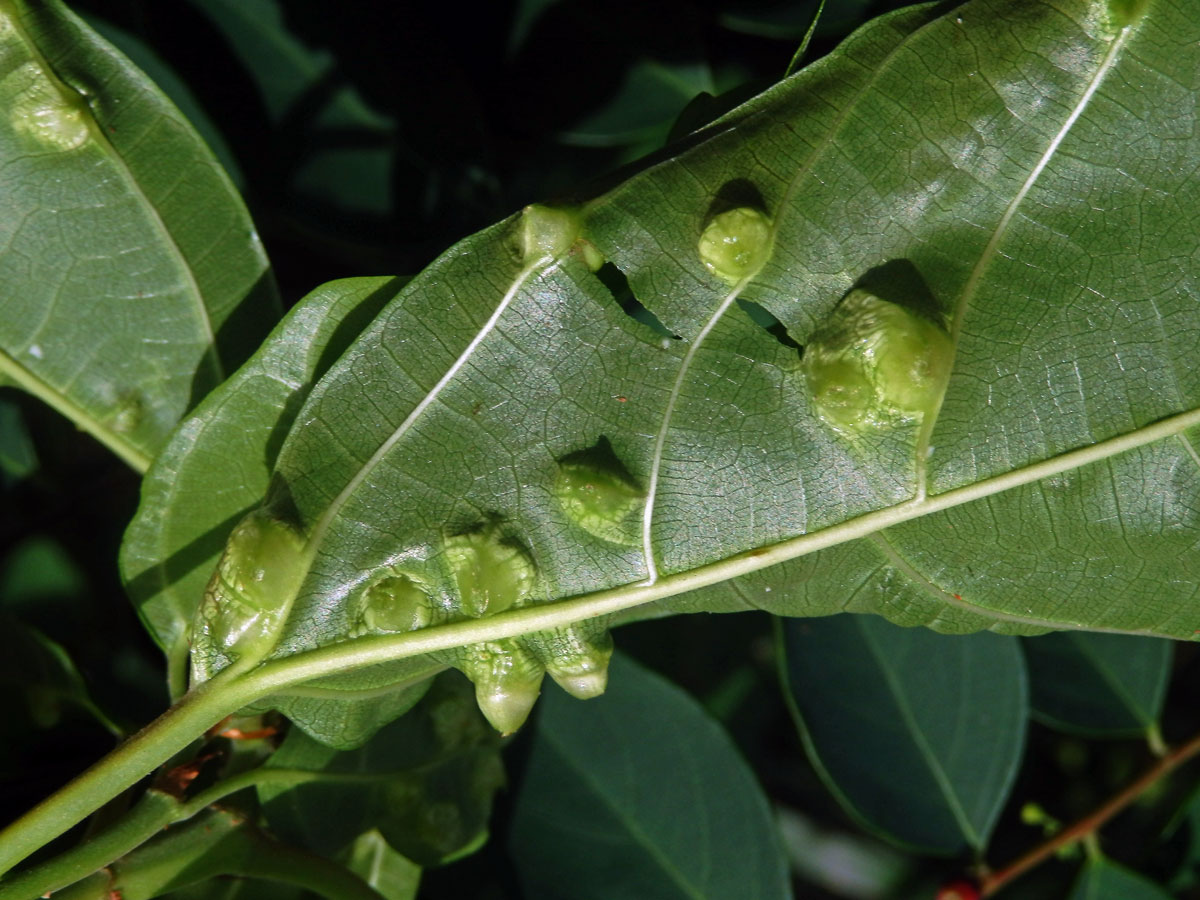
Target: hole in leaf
(614,279)
(762,317)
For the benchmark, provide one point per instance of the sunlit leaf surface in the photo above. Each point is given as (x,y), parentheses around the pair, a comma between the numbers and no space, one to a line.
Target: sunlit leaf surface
(1010,180)
(133,279)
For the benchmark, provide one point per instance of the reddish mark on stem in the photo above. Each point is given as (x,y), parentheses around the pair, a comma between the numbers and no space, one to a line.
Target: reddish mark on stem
(176,781)
(257,734)
(621,399)
(958,596)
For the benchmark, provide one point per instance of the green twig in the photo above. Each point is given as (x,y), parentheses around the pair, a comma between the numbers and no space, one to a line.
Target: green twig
(273,861)
(171,732)
(153,813)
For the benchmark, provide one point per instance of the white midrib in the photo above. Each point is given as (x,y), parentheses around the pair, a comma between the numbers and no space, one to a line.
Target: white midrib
(681,376)
(993,245)
(543,264)
(668,413)
(376,649)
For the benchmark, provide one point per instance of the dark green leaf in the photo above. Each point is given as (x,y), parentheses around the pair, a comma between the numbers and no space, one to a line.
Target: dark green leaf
(36,571)
(1102,684)
(17,456)
(1104,880)
(425,782)
(37,671)
(121,233)
(918,734)
(639,794)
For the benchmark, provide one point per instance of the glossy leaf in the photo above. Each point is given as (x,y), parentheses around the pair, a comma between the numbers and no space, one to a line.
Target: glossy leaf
(121,231)
(190,503)
(919,735)
(640,794)
(1051,485)
(1098,683)
(1104,880)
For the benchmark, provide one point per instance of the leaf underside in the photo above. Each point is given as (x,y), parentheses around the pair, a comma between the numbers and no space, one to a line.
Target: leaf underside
(134,281)
(1028,166)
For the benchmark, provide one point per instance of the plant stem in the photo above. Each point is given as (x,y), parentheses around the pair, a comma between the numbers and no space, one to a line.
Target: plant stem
(183,723)
(1091,823)
(153,813)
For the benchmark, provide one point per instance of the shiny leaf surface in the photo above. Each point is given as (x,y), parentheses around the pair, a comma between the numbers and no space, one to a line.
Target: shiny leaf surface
(120,231)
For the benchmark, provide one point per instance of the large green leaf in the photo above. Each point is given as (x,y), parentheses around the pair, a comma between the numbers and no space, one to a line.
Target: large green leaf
(134,281)
(946,713)
(425,782)
(1098,683)
(510,451)
(641,796)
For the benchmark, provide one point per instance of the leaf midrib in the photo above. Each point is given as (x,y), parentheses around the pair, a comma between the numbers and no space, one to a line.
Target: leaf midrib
(970,288)
(341,657)
(621,813)
(908,718)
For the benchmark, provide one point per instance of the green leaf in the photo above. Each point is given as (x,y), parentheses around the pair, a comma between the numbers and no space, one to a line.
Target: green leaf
(1100,684)
(919,735)
(425,782)
(1104,880)
(640,794)
(121,233)
(17,456)
(36,572)
(1051,484)
(376,863)
(169,81)
(189,502)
